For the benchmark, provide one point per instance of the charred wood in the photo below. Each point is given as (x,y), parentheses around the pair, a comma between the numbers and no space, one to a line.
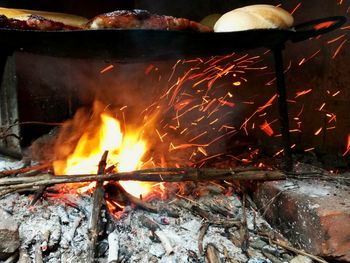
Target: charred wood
(202,231)
(96,209)
(36,169)
(283,244)
(244,233)
(12,259)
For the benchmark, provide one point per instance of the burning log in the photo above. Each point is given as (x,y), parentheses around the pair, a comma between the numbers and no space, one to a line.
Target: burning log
(8,185)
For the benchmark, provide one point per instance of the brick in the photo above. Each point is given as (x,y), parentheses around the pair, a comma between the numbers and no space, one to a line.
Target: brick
(313,214)
(9,237)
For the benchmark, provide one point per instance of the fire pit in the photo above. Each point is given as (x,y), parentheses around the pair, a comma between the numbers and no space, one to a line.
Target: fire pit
(156,186)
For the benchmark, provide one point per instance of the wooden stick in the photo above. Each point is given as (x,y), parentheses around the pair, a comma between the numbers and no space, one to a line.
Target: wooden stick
(268,238)
(38,194)
(244,233)
(201,235)
(138,202)
(228,258)
(38,167)
(212,254)
(151,175)
(164,241)
(225,223)
(96,209)
(201,212)
(76,224)
(298,251)
(148,223)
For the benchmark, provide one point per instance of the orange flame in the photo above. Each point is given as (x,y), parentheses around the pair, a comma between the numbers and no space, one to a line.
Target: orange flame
(125,151)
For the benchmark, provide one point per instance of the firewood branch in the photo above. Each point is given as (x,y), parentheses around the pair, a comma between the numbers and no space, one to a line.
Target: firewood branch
(96,209)
(8,185)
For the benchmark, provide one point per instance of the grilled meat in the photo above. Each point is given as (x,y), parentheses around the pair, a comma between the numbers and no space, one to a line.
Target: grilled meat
(123,19)
(34,22)
(141,19)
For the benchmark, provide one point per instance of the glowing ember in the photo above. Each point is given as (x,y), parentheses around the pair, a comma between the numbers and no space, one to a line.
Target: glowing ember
(108,68)
(295,8)
(101,134)
(302,93)
(324,25)
(318,131)
(347,146)
(265,127)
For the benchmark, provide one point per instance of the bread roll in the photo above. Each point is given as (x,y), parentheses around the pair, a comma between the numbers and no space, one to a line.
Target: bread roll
(254,17)
(23,14)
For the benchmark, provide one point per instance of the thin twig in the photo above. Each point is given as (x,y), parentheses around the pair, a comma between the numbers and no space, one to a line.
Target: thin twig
(298,251)
(201,235)
(37,195)
(39,167)
(290,248)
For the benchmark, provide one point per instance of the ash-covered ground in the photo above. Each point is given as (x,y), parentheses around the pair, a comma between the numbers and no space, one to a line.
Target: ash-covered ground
(55,228)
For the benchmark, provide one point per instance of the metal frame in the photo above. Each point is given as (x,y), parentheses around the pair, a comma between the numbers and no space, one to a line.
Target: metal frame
(283,107)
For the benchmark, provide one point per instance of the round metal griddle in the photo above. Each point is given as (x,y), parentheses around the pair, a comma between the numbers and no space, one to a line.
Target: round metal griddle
(136,44)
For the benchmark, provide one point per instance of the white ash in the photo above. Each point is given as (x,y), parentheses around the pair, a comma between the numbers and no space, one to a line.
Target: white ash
(9,164)
(61,230)
(49,223)
(59,225)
